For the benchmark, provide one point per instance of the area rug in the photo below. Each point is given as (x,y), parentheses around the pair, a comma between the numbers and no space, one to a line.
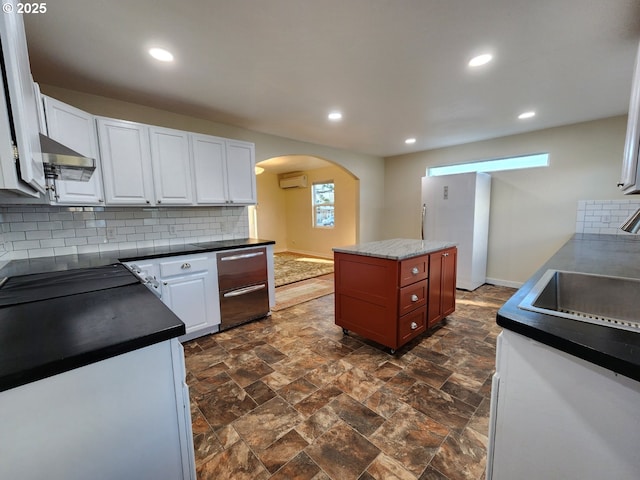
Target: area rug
(303,291)
(294,267)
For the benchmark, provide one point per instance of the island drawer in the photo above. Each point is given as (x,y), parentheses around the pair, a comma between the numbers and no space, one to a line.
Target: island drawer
(414,269)
(412,325)
(412,297)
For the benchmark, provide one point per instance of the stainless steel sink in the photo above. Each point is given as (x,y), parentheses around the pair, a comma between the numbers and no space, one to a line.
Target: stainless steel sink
(598,299)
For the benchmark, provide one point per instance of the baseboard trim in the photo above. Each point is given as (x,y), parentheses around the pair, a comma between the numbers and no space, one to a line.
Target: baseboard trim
(504,283)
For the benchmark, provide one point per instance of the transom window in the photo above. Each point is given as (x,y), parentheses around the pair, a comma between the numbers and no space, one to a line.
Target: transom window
(323,204)
(511,163)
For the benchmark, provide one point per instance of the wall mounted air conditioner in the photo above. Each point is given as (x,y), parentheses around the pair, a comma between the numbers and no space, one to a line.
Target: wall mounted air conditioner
(295,181)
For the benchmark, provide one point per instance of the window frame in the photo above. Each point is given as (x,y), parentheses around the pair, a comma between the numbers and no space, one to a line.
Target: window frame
(314,205)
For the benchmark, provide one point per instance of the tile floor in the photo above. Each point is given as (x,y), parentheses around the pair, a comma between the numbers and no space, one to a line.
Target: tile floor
(291,397)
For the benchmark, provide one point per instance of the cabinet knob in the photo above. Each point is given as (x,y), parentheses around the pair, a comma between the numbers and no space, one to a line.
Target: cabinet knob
(414,325)
(445,254)
(159,201)
(185,266)
(164,283)
(100,200)
(414,270)
(148,202)
(414,298)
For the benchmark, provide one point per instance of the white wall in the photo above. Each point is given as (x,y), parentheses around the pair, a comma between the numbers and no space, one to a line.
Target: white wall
(533,211)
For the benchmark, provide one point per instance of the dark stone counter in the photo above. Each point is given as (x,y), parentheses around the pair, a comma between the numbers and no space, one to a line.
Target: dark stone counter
(611,348)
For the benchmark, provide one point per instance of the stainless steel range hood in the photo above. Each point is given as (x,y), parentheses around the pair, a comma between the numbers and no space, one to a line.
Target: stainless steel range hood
(63,163)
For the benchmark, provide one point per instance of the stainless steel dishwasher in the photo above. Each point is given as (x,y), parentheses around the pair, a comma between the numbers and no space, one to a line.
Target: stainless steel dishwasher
(243,286)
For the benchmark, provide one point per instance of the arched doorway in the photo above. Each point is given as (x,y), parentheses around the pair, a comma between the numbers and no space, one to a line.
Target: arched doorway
(286,215)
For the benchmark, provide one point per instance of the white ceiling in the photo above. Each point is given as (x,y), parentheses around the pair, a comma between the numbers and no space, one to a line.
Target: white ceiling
(395,68)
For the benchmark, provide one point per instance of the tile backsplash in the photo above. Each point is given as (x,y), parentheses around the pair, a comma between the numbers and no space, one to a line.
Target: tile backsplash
(43,231)
(604,216)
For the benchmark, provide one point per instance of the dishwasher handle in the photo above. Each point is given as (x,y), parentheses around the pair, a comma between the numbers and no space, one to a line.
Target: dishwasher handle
(241,256)
(244,291)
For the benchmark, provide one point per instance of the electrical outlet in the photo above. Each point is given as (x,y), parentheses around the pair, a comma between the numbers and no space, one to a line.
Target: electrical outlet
(172,229)
(111,233)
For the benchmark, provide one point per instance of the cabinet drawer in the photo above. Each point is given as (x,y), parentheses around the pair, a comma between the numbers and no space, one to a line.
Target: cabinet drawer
(183,266)
(238,268)
(412,297)
(412,325)
(414,269)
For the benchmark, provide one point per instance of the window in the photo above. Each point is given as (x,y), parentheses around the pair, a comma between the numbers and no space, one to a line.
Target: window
(323,206)
(513,163)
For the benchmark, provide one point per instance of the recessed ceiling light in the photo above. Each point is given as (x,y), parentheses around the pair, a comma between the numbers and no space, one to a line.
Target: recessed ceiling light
(335,116)
(410,141)
(161,54)
(525,115)
(480,60)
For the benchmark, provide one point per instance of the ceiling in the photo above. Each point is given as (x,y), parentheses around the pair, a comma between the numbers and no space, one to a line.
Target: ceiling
(394,68)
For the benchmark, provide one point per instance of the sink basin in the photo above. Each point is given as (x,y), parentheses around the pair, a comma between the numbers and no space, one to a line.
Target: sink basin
(598,299)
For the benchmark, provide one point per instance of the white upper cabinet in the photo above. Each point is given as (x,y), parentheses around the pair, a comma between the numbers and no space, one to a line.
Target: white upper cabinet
(77,130)
(209,158)
(223,170)
(171,166)
(126,162)
(241,175)
(21,111)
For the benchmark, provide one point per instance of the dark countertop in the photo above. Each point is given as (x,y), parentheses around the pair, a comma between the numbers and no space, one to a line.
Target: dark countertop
(44,338)
(614,349)
(69,262)
(115,314)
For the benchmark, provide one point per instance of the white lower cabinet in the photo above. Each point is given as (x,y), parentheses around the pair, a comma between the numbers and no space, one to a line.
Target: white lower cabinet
(188,285)
(556,416)
(88,429)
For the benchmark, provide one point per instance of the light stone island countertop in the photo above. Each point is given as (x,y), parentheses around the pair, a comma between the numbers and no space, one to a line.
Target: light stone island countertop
(395,249)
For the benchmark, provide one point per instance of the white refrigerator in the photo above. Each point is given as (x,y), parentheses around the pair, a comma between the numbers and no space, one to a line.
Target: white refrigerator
(455,208)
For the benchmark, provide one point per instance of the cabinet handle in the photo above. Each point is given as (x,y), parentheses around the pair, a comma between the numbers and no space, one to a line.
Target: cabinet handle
(244,291)
(184,266)
(414,325)
(445,254)
(414,271)
(148,202)
(241,256)
(159,201)
(100,200)
(414,298)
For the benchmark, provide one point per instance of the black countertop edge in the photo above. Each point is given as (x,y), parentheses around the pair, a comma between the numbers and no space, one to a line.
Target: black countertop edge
(614,349)
(86,260)
(62,365)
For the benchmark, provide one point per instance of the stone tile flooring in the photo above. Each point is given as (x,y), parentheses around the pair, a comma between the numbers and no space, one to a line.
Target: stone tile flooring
(291,397)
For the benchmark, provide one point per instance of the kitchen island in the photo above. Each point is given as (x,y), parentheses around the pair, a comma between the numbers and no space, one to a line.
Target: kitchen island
(565,394)
(391,291)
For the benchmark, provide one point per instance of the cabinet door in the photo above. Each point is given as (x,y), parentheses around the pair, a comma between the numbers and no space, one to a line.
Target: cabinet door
(442,285)
(209,156)
(448,292)
(171,166)
(126,162)
(187,297)
(77,130)
(241,175)
(23,106)
(434,307)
